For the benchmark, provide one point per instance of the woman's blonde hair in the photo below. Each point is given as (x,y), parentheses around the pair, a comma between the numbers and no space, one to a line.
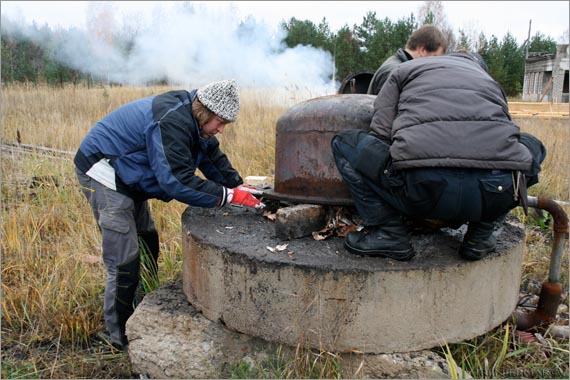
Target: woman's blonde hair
(200,112)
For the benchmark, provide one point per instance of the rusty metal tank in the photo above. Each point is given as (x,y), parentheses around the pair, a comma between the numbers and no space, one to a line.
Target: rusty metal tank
(305,170)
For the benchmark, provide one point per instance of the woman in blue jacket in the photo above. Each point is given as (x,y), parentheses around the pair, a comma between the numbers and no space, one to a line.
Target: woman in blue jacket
(151,148)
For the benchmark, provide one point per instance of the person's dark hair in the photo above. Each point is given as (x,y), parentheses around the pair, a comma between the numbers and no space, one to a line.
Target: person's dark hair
(428,36)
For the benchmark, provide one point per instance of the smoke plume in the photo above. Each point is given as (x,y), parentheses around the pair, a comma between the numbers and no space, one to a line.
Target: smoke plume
(189,46)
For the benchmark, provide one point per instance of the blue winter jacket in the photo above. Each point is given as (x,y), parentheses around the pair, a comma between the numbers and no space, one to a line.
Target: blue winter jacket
(153,147)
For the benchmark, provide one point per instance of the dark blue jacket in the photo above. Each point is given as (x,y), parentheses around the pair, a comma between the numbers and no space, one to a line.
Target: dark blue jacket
(155,147)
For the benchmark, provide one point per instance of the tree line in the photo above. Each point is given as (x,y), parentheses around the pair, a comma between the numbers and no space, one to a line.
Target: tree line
(354,49)
(364,47)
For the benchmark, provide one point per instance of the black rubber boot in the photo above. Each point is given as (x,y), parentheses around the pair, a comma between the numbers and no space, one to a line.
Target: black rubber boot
(390,240)
(479,240)
(127,282)
(105,338)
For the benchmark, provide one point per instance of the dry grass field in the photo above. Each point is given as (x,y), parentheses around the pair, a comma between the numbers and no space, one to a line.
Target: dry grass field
(53,276)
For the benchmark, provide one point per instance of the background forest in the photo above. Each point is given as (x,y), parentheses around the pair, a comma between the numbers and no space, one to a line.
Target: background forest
(57,82)
(353,48)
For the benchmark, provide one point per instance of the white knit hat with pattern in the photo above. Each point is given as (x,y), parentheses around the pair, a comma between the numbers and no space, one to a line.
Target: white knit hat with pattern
(221,98)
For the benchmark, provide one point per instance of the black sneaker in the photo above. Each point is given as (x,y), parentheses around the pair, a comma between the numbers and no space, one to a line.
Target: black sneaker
(476,250)
(386,241)
(479,241)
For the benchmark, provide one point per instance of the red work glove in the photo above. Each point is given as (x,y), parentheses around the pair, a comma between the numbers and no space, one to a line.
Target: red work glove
(242,197)
(251,189)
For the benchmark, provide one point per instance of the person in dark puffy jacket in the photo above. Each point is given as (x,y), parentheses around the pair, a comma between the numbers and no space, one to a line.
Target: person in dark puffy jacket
(427,41)
(150,149)
(442,145)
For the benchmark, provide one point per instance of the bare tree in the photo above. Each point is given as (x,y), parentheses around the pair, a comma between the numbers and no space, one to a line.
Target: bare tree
(132,27)
(101,28)
(564,38)
(432,12)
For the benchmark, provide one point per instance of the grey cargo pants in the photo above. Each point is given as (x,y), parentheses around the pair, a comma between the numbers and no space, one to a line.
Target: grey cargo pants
(121,222)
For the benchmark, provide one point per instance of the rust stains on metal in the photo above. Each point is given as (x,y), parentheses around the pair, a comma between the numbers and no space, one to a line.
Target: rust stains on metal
(305,170)
(551,291)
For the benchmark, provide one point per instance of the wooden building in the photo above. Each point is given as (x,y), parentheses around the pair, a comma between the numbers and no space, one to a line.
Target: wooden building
(546,76)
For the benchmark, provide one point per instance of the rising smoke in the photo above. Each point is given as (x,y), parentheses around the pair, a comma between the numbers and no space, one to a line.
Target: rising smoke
(189,46)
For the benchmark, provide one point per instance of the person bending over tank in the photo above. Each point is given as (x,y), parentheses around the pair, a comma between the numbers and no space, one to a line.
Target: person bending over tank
(443,146)
(151,148)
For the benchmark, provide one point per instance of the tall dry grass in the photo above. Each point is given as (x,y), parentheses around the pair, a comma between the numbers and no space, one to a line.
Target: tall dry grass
(52,273)
(555,176)
(554,183)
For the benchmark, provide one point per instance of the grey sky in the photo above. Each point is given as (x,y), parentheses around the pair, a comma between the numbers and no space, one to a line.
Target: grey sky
(551,18)
(190,48)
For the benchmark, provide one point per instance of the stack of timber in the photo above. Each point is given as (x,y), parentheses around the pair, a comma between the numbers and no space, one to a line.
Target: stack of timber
(541,110)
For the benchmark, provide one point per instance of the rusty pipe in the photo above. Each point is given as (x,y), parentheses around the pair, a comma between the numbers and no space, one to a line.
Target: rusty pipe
(560,233)
(551,291)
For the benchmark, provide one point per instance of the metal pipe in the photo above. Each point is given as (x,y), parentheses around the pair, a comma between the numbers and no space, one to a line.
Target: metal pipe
(535,200)
(551,291)
(560,232)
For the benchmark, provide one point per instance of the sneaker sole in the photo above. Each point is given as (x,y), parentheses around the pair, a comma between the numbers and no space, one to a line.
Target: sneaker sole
(404,255)
(471,254)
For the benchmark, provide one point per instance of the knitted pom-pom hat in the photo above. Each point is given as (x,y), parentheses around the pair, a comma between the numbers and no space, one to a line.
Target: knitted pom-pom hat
(221,98)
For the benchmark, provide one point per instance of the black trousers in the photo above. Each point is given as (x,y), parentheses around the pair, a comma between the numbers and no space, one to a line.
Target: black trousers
(448,194)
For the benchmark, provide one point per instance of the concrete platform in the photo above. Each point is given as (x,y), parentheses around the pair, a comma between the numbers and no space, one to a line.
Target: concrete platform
(316,293)
(170,339)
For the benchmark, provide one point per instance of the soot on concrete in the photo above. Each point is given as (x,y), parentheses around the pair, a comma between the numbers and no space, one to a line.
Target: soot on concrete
(242,231)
